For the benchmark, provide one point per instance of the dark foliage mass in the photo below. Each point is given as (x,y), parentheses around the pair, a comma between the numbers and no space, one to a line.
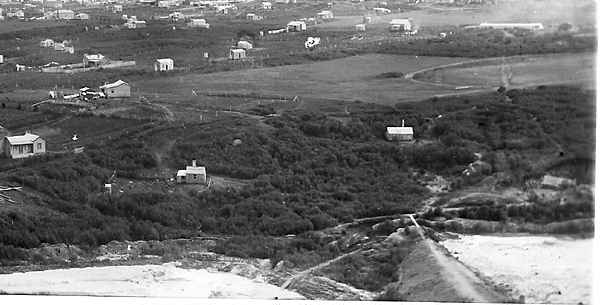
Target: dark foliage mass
(305,171)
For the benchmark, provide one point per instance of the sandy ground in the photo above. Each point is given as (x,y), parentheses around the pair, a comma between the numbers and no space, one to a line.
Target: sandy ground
(165,280)
(544,269)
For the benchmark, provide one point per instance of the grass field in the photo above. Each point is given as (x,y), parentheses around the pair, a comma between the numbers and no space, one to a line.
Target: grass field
(352,78)
(526,71)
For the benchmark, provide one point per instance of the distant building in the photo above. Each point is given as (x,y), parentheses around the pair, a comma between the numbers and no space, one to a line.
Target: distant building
(503,26)
(135,24)
(360,27)
(296,26)
(117,9)
(254,17)
(94,60)
(24,146)
(116,89)
(325,15)
(47,43)
(381,10)
(267,6)
(59,46)
(163,64)
(401,25)
(192,174)
(242,44)
(1,59)
(64,14)
(82,16)
(236,54)
(69,49)
(282,1)
(556,183)
(399,133)
(198,23)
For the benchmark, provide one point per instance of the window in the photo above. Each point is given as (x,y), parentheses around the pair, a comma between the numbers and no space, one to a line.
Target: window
(39,146)
(195,177)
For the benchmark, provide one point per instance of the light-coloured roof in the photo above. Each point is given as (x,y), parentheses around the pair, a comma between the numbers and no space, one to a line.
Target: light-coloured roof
(181,173)
(296,23)
(400,21)
(27,138)
(238,50)
(113,85)
(199,170)
(93,57)
(165,61)
(400,130)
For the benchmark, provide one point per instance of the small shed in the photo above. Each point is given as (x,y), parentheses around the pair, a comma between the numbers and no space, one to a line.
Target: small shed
(242,44)
(296,26)
(401,25)
(402,133)
(163,64)
(47,43)
(381,11)
(93,60)
(192,174)
(236,54)
(198,23)
(82,16)
(360,27)
(267,6)
(116,89)
(325,15)
(254,17)
(59,46)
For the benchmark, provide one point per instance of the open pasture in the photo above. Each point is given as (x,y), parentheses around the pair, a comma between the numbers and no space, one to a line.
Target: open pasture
(524,71)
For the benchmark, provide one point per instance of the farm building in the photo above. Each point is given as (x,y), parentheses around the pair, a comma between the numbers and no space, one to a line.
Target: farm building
(1,59)
(116,89)
(267,6)
(135,24)
(360,27)
(401,25)
(555,183)
(399,133)
(47,43)
(94,60)
(59,46)
(254,17)
(198,23)
(163,64)
(236,54)
(325,15)
(381,10)
(24,146)
(504,26)
(296,26)
(64,14)
(117,8)
(242,44)
(192,174)
(82,16)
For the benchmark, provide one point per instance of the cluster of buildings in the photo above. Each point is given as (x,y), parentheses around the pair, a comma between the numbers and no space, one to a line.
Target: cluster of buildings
(133,23)
(64,46)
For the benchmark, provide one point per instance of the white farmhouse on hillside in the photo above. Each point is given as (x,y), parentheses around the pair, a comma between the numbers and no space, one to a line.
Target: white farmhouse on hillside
(116,89)
(402,133)
(401,25)
(296,26)
(192,174)
(23,146)
(163,64)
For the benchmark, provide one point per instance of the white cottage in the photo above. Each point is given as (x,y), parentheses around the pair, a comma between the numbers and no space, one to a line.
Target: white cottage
(402,133)
(163,64)
(24,146)
(192,174)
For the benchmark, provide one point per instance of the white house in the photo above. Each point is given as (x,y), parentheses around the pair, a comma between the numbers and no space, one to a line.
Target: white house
(47,43)
(525,26)
(24,146)
(93,60)
(381,10)
(325,15)
(267,6)
(163,64)
(192,174)
(296,26)
(402,133)
(116,89)
(236,54)
(254,17)
(360,27)
(64,14)
(242,44)
(82,16)
(135,24)
(59,46)
(401,25)
(198,23)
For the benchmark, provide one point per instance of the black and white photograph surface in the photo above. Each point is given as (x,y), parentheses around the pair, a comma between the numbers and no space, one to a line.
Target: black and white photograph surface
(348,150)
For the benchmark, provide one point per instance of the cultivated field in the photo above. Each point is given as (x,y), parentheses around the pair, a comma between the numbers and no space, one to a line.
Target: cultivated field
(525,70)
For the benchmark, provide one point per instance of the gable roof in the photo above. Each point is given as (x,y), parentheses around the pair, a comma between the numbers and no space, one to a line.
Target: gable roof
(114,85)
(195,170)
(93,57)
(400,130)
(165,61)
(27,138)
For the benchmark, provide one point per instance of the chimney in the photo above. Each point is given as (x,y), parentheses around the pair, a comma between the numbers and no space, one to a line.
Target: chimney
(402,123)
(193,163)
